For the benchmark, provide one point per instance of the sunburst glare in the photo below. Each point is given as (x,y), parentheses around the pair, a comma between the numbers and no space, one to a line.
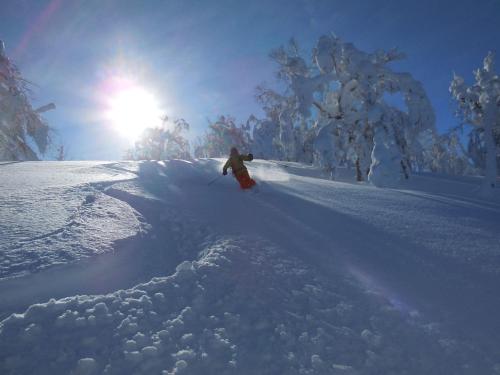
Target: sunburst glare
(133,109)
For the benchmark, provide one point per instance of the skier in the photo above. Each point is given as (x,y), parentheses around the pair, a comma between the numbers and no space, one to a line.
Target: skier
(240,172)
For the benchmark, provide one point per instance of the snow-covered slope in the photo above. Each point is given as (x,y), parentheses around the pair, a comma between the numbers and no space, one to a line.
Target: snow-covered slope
(54,213)
(145,268)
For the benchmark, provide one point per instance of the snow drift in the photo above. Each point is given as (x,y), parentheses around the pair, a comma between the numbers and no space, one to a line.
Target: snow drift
(307,276)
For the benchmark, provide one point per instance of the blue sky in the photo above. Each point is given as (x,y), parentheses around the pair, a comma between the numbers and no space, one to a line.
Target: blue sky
(204,58)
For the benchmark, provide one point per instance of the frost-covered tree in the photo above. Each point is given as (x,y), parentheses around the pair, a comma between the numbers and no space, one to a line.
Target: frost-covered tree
(331,108)
(164,142)
(275,136)
(386,168)
(61,153)
(19,122)
(328,148)
(221,136)
(448,154)
(288,115)
(476,148)
(479,106)
(358,105)
(266,131)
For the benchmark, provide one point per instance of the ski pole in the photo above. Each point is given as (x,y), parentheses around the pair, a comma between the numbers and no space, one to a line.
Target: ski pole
(215,179)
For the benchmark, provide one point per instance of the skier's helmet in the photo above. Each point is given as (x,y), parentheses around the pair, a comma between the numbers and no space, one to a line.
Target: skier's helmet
(234,151)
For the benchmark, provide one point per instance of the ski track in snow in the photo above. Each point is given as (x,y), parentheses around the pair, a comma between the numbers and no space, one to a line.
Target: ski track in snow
(306,276)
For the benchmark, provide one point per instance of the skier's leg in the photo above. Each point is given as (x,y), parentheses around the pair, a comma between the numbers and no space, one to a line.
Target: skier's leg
(241,180)
(245,181)
(251,181)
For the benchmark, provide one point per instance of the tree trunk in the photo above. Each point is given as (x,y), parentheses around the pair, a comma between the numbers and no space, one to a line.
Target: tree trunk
(359,174)
(405,169)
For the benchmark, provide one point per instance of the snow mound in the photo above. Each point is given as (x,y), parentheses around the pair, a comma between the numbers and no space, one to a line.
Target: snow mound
(56,213)
(309,276)
(241,306)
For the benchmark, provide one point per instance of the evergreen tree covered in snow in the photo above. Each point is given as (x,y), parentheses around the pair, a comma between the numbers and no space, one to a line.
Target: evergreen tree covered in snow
(332,108)
(19,122)
(479,106)
(221,136)
(164,142)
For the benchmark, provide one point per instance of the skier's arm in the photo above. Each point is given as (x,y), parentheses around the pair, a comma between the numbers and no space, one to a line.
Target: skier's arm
(248,157)
(226,166)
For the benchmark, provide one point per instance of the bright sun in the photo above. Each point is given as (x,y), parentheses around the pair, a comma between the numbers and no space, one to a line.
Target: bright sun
(133,109)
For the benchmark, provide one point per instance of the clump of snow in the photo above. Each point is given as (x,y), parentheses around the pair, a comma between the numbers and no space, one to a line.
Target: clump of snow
(89,199)
(242,305)
(86,366)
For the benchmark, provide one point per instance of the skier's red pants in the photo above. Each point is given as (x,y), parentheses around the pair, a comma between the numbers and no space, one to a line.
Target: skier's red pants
(244,179)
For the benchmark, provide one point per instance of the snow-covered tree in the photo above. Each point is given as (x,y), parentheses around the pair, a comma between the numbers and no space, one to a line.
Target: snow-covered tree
(164,142)
(288,115)
(328,149)
(221,136)
(476,148)
(362,80)
(386,169)
(479,106)
(269,134)
(61,153)
(449,156)
(19,122)
(331,109)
